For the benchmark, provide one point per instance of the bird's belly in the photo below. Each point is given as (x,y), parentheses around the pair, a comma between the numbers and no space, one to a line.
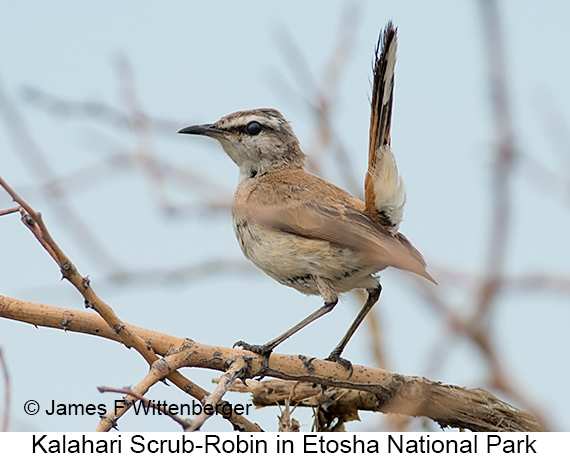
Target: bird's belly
(294,261)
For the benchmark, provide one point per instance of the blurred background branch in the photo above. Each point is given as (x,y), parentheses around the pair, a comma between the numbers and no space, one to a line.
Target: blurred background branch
(6,379)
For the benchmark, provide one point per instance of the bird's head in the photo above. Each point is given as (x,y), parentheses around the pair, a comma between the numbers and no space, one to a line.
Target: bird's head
(258,141)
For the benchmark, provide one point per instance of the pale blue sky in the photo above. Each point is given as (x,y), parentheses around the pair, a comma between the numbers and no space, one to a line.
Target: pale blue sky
(194,62)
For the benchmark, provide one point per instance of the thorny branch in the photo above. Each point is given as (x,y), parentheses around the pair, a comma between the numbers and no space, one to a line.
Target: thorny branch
(174,358)
(184,423)
(370,388)
(33,221)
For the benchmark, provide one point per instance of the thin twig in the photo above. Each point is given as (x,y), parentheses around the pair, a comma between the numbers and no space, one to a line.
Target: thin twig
(92,110)
(238,368)
(463,327)
(15,209)
(500,200)
(182,273)
(184,423)
(213,197)
(159,370)
(320,99)
(41,169)
(140,125)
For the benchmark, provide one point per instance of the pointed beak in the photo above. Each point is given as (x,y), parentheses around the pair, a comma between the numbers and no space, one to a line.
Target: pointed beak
(203,129)
(208,130)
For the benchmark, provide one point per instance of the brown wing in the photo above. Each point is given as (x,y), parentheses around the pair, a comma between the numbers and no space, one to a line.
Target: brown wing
(297,202)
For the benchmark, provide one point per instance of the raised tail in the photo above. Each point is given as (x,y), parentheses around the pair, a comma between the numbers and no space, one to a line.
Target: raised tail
(385,194)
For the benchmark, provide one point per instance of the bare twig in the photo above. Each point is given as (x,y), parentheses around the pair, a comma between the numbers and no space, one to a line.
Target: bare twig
(34,222)
(494,278)
(41,169)
(15,209)
(140,125)
(183,273)
(287,423)
(159,370)
(463,327)
(504,156)
(92,110)
(184,423)
(320,99)
(174,358)
(537,281)
(214,196)
(238,368)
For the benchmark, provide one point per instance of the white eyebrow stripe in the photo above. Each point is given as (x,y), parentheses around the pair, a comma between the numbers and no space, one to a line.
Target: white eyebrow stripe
(246,119)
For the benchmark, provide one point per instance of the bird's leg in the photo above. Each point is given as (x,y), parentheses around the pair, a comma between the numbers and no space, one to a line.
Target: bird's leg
(266,349)
(331,299)
(373,296)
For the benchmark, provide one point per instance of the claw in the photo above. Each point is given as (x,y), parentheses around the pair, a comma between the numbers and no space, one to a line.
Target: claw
(263,350)
(346,364)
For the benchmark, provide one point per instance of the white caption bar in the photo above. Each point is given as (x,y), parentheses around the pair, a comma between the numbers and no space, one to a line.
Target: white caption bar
(146,444)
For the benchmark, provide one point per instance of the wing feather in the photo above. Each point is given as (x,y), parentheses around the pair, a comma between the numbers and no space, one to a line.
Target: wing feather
(339,218)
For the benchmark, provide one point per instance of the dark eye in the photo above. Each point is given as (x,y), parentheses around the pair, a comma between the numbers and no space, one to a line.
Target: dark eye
(253,128)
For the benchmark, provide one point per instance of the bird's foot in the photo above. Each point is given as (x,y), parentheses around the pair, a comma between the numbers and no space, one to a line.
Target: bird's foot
(346,364)
(263,350)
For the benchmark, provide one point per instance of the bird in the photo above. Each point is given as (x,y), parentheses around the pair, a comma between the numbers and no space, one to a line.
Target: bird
(302,230)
